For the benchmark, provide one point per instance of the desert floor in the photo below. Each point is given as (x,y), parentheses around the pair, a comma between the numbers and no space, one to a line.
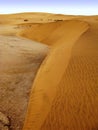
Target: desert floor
(48,72)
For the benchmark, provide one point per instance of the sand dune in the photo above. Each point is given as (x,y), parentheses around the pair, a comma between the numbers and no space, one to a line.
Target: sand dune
(51,33)
(64,92)
(51,73)
(31,17)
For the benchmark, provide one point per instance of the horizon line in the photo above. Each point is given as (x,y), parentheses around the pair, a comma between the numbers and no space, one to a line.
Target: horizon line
(19,12)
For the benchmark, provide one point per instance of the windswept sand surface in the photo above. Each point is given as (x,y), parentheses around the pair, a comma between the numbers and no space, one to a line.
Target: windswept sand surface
(64,93)
(19,62)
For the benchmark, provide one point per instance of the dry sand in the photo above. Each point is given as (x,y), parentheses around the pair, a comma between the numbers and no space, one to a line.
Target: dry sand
(64,93)
(19,62)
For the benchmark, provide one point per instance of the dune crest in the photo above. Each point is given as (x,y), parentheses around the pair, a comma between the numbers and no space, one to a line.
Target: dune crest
(50,33)
(50,74)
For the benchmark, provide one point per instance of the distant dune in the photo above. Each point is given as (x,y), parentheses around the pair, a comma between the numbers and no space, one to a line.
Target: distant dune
(53,59)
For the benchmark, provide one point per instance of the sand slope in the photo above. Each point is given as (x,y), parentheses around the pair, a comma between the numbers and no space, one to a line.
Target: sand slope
(75,106)
(50,33)
(51,74)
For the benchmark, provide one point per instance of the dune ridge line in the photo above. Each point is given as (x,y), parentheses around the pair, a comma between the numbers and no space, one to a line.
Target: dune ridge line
(50,73)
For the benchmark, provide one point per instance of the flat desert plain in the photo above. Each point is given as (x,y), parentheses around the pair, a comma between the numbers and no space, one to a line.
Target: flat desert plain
(48,72)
